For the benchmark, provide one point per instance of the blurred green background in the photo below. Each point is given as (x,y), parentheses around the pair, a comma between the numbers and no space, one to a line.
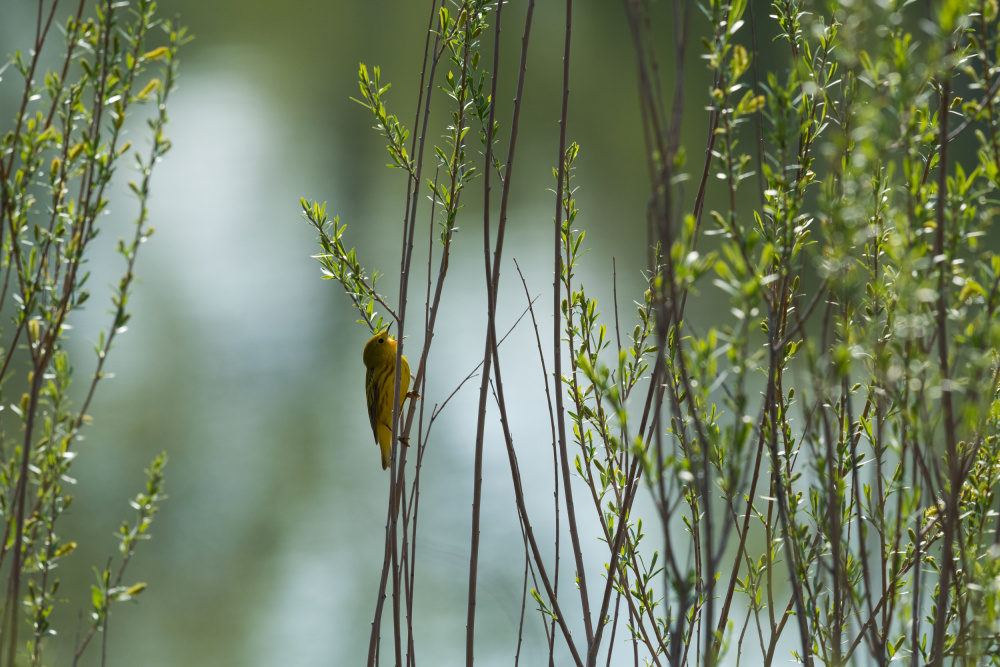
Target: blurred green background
(246,367)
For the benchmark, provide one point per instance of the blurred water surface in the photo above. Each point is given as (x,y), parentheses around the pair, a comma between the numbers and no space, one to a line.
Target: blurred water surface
(246,367)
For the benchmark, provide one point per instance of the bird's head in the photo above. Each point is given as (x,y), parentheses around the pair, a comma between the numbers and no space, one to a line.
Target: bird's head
(380,349)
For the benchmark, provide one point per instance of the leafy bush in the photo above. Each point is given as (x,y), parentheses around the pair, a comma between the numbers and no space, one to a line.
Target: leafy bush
(827,442)
(58,160)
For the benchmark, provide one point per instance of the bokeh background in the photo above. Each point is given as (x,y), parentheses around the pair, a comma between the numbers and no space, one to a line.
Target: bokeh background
(246,368)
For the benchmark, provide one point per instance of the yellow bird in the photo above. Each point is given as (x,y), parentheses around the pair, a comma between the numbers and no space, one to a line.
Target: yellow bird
(380,360)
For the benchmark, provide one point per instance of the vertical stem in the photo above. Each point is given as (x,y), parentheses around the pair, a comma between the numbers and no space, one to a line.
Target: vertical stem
(557,337)
(477,476)
(407,250)
(941,316)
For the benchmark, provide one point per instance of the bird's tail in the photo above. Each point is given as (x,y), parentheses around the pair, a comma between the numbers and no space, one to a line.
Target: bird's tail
(385,444)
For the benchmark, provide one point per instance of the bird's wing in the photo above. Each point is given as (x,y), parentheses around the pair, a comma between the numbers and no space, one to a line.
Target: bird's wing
(404,382)
(371,391)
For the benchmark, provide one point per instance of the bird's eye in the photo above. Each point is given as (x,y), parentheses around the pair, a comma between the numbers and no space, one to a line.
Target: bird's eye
(381,340)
